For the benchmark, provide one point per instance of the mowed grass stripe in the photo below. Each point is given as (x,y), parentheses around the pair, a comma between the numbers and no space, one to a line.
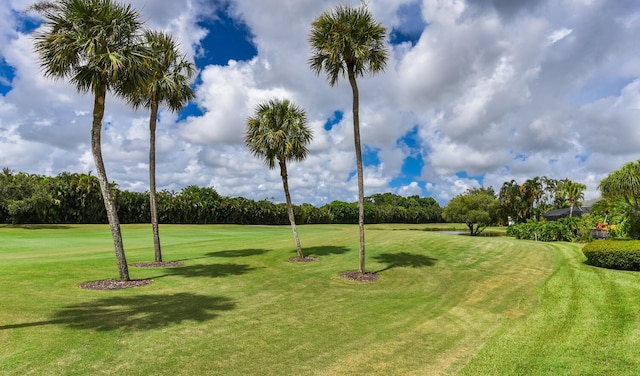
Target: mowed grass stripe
(588,324)
(443,304)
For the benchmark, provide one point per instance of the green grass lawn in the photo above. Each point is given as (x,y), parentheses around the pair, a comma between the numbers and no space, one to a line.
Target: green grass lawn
(444,304)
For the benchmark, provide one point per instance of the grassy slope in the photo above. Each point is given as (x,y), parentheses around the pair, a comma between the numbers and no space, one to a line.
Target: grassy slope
(589,324)
(444,304)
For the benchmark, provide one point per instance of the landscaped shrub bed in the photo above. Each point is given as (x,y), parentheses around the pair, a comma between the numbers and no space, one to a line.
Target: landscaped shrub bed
(613,254)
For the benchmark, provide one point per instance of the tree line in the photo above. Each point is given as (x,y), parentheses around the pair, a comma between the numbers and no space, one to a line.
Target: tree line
(76,198)
(515,203)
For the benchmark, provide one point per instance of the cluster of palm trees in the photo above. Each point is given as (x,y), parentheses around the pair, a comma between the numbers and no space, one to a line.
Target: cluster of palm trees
(345,42)
(101,47)
(536,196)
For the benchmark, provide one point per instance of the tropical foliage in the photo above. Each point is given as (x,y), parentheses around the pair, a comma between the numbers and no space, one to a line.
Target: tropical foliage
(536,196)
(564,229)
(573,191)
(76,198)
(22,194)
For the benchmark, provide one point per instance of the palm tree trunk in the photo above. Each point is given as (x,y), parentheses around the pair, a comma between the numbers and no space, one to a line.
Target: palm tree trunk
(571,200)
(109,202)
(287,196)
(152,182)
(356,139)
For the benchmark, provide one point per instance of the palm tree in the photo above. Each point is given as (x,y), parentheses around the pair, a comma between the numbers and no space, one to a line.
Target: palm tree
(96,45)
(574,191)
(168,84)
(623,184)
(278,131)
(349,42)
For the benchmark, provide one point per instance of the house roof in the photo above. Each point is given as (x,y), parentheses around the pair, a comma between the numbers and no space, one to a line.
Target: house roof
(552,215)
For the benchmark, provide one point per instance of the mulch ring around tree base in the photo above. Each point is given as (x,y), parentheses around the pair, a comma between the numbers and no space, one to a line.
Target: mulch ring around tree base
(355,275)
(115,284)
(158,264)
(304,259)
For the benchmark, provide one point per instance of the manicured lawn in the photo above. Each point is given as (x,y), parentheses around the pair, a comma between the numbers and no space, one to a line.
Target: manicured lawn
(444,304)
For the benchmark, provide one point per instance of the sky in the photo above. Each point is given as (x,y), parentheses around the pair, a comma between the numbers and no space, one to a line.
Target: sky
(475,93)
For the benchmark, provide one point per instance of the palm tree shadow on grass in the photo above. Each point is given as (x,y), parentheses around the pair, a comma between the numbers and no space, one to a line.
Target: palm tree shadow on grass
(404,259)
(229,253)
(41,227)
(324,251)
(238,253)
(141,312)
(208,270)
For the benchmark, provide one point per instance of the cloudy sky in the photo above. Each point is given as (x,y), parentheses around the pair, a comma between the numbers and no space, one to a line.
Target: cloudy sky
(476,93)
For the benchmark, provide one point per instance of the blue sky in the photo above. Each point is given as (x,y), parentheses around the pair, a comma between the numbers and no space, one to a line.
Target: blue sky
(476,93)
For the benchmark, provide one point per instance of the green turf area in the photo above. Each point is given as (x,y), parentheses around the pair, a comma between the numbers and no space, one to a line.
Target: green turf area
(444,304)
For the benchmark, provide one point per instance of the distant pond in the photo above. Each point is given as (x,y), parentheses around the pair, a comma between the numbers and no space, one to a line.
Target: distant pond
(484,233)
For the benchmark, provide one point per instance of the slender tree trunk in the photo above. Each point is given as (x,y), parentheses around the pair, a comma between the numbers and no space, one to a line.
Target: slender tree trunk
(571,208)
(470,226)
(356,140)
(287,196)
(109,202)
(152,181)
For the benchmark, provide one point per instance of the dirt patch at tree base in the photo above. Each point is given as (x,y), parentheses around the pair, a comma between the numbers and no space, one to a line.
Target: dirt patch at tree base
(158,264)
(115,284)
(355,275)
(304,259)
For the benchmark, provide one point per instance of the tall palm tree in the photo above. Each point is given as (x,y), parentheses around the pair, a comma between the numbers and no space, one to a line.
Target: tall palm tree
(169,85)
(95,44)
(278,131)
(573,191)
(349,42)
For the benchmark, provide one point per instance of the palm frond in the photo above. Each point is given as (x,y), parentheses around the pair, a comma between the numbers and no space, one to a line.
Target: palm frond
(347,38)
(278,131)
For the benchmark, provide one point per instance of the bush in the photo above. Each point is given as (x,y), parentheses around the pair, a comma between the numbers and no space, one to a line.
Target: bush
(562,230)
(613,254)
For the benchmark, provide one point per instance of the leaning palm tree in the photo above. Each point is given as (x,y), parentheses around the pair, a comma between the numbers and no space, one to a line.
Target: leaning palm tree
(96,44)
(349,42)
(169,85)
(278,131)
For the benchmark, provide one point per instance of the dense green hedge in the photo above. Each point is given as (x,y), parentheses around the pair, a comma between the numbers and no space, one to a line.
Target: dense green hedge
(564,229)
(77,198)
(613,254)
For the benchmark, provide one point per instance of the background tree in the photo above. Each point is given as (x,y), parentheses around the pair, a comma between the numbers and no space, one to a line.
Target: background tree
(349,42)
(76,198)
(96,44)
(573,191)
(548,198)
(24,198)
(510,201)
(168,84)
(529,200)
(85,200)
(278,131)
(623,185)
(531,192)
(476,209)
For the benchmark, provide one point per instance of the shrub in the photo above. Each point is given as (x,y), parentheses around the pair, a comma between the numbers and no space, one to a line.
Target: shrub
(544,231)
(613,254)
